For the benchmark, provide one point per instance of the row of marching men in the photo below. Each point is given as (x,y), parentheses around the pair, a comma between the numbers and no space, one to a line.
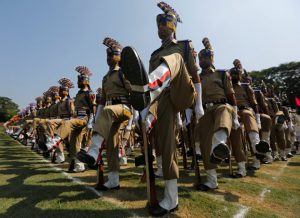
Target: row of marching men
(218,114)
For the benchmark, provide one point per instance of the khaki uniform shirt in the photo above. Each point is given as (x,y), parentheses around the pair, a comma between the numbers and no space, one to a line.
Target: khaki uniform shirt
(114,84)
(261,102)
(53,110)
(47,112)
(213,88)
(65,108)
(175,47)
(244,95)
(272,105)
(84,101)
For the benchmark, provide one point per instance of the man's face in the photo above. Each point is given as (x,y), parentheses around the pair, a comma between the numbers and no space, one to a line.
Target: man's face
(110,60)
(164,32)
(205,62)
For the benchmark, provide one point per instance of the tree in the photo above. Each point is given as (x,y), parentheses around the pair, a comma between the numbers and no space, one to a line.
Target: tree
(285,79)
(8,108)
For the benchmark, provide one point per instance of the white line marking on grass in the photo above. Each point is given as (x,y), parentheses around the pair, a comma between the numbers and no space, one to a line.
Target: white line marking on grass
(242,212)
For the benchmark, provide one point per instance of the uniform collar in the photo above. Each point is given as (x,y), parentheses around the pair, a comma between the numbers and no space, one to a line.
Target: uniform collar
(116,68)
(168,42)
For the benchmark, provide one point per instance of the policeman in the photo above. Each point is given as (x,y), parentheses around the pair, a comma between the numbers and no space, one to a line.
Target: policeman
(81,121)
(171,91)
(247,104)
(113,110)
(220,117)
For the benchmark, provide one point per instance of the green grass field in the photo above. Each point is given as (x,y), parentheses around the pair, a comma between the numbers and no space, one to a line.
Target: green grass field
(33,187)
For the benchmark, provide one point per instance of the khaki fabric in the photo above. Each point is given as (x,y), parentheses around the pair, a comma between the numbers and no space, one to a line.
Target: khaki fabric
(261,102)
(287,134)
(272,106)
(213,88)
(113,85)
(53,110)
(75,129)
(66,107)
(47,112)
(246,117)
(178,96)
(266,122)
(165,135)
(175,47)
(83,101)
(107,125)
(237,144)
(244,95)
(182,90)
(52,125)
(215,118)
(277,138)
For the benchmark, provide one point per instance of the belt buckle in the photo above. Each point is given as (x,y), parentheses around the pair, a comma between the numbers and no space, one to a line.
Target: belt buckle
(208,105)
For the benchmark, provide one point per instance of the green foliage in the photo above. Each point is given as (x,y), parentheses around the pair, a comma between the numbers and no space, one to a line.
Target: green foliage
(8,108)
(285,78)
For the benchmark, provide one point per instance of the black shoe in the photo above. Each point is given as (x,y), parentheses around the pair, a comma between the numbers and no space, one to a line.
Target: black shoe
(237,176)
(283,159)
(219,154)
(104,188)
(260,156)
(159,211)
(263,147)
(253,168)
(135,73)
(204,188)
(265,162)
(84,157)
(71,166)
(189,153)
(289,155)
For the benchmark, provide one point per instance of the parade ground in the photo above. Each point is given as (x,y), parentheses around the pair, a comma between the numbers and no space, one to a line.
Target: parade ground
(31,186)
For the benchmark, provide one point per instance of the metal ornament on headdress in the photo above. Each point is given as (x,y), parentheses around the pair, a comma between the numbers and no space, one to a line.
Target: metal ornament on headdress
(114,48)
(170,16)
(85,74)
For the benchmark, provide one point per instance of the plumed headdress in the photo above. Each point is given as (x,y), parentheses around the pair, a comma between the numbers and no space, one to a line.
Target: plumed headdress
(170,16)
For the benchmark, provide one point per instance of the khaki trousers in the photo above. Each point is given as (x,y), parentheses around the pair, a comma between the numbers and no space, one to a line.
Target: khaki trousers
(178,96)
(277,136)
(215,118)
(52,125)
(75,129)
(107,125)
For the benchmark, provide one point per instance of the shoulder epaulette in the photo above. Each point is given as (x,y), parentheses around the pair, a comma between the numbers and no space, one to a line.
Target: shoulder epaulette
(186,48)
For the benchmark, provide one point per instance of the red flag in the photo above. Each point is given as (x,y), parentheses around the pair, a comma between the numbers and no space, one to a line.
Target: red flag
(297,100)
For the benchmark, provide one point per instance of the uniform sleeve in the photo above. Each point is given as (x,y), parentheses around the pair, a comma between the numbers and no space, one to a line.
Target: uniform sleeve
(262,103)
(103,96)
(251,96)
(275,106)
(286,113)
(126,83)
(192,65)
(228,88)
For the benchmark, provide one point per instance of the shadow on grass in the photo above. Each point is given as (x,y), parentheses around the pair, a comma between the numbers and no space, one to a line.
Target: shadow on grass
(294,164)
(15,160)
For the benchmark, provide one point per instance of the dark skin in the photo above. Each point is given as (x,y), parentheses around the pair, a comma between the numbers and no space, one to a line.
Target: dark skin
(164,33)
(206,64)
(111,62)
